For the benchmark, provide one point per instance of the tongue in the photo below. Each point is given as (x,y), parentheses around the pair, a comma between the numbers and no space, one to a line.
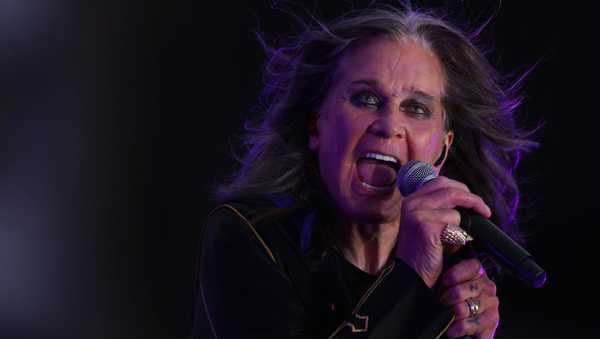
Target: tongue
(376,173)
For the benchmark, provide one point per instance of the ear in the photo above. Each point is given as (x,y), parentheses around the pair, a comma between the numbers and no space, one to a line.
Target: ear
(448,138)
(313,132)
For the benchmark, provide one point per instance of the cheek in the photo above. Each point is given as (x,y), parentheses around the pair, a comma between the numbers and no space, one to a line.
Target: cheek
(425,145)
(342,135)
(349,129)
(435,142)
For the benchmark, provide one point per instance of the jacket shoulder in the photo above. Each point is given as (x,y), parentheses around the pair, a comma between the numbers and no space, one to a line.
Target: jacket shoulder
(239,218)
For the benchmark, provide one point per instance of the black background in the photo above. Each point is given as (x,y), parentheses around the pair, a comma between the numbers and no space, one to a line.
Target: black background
(117,117)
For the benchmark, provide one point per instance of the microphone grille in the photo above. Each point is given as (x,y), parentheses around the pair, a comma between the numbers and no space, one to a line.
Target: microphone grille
(413,175)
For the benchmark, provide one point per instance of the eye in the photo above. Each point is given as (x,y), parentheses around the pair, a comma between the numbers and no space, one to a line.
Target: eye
(416,108)
(366,98)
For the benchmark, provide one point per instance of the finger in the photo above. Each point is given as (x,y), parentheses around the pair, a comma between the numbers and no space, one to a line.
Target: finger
(461,309)
(448,197)
(430,224)
(459,293)
(484,322)
(477,288)
(450,193)
(440,182)
(439,216)
(465,270)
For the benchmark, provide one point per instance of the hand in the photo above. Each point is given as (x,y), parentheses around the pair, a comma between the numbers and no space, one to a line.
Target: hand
(465,280)
(423,216)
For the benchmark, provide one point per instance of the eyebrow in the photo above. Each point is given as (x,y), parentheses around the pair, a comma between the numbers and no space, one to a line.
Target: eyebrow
(415,92)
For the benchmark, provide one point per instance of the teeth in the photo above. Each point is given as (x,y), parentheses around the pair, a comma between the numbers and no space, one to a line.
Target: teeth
(382,157)
(377,188)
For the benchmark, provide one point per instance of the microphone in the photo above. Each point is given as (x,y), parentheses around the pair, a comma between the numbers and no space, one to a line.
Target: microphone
(499,245)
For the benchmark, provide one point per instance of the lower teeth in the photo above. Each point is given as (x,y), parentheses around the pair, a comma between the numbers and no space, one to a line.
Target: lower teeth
(377,188)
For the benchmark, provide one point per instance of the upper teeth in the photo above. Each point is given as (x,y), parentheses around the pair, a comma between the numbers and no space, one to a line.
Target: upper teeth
(381,157)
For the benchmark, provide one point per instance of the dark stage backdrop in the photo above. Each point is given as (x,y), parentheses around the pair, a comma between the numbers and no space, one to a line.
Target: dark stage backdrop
(118,117)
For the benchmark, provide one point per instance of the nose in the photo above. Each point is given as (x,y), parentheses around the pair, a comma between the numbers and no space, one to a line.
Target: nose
(388,125)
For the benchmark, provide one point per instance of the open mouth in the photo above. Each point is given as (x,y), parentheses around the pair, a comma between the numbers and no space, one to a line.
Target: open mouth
(378,171)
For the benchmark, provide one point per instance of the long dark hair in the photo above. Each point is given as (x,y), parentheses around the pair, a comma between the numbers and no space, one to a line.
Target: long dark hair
(479,106)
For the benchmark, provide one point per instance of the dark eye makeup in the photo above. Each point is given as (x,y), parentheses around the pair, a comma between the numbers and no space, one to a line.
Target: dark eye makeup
(366,98)
(412,106)
(416,108)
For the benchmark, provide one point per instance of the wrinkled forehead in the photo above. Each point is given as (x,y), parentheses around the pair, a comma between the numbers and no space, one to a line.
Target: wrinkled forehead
(398,63)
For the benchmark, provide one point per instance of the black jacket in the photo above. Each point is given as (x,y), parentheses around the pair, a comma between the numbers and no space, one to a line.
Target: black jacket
(264,273)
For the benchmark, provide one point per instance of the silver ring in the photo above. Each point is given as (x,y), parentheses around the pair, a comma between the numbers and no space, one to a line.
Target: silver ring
(473,305)
(454,235)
